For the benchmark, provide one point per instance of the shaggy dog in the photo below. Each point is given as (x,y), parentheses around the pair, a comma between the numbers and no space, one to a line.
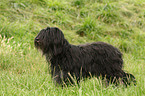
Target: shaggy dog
(70,61)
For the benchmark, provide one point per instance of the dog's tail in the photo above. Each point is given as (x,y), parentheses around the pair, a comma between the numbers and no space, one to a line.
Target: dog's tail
(128,79)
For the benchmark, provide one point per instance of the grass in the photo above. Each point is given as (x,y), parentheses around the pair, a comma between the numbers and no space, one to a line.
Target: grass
(24,71)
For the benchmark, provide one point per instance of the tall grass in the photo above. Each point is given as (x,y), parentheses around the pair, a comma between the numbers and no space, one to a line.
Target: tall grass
(23,69)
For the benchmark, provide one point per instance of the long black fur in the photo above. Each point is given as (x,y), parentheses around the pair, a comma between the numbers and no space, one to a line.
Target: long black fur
(82,61)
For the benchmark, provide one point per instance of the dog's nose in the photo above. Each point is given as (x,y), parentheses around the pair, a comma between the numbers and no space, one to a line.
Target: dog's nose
(37,39)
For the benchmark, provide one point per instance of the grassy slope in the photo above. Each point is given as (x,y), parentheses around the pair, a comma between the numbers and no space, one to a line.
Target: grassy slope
(23,71)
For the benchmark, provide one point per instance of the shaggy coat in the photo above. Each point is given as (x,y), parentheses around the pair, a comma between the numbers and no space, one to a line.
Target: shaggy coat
(82,61)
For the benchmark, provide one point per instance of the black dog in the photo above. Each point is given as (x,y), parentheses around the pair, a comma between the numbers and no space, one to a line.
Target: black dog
(70,61)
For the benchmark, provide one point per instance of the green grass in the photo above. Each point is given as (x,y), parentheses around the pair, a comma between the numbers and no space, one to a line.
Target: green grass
(24,71)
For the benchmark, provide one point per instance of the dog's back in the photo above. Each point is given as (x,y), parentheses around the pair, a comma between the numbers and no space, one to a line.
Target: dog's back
(103,57)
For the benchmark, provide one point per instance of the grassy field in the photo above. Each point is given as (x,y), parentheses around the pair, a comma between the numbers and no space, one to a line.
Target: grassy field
(23,70)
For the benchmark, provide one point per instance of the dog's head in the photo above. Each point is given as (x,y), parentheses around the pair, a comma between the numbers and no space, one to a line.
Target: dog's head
(50,40)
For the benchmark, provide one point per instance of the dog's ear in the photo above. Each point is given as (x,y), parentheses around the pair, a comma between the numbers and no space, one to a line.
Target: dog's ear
(58,40)
(59,37)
